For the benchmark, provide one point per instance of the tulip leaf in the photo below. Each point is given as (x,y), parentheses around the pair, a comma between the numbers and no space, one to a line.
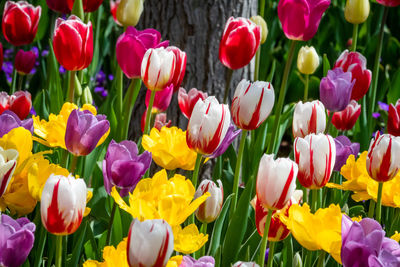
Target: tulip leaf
(54,83)
(43,22)
(39,104)
(325,64)
(252,243)
(40,242)
(394,92)
(218,256)
(76,253)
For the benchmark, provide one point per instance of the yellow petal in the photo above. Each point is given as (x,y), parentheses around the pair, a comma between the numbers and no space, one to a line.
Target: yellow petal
(396,236)
(188,240)
(175,261)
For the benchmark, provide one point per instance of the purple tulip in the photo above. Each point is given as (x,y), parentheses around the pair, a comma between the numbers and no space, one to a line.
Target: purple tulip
(229,137)
(344,148)
(131,47)
(123,167)
(335,89)
(84,130)
(364,244)
(16,240)
(206,261)
(9,120)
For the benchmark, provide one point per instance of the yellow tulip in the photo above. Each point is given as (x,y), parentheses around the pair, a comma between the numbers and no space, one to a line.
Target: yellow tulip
(356,11)
(263,24)
(307,60)
(129,12)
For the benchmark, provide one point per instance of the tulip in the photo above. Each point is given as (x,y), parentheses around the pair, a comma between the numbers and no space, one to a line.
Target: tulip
(383,159)
(9,120)
(180,67)
(393,124)
(390,3)
(208,126)
(315,155)
(24,61)
(356,63)
(252,103)
(300,18)
(229,138)
(16,240)
(73,43)
(276,181)
(258,20)
(160,120)
(335,89)
(123,167)
(84,131)
(205,261)
(20,22)
(113,9)
(346,119)
(8,162)
(308,118)
(344,148)
(58,6)
(162,98)
(245,264)
(4,101)
(188,100)
(1,56)
(62,204)
(356,11)
(88,5)
(150,243)
(239,42)
(307,60)
(131,47)
(129,12)
(209,210)
(21,103)
(157,69)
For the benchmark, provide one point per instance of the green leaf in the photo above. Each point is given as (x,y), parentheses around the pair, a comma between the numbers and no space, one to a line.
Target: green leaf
(326,65)
(76,253)
(54,84)
(394,92)
(41,238)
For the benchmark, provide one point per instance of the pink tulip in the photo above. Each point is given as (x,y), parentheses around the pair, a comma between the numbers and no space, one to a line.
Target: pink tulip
(391,3)
(187,100)
(162,98)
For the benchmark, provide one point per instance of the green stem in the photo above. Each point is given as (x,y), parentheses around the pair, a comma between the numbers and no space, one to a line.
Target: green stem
(148,114)
(263,248)
(371,208)
(257,64)
(20,81)
(229,73)
(364,138)
(196,170)
(262,8)
(71,87)
(329,122)
(239,159)
(14,75)
(321,258)
(314,200)
(306,88)
(271,253)
(110,223)
(354,39)
(129,103)
(379,203)
(203,230)
(119,84)
(74,161)
(281,99)
(59,239)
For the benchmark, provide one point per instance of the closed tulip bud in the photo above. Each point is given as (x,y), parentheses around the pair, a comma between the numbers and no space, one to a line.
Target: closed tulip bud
(390,3)
(20,22)
(210,209)
(150,243)
(87,96)
(297,261)
(157,69)
(315,156)
(276,181)
(21,103)
(245,264)
(356,11)
(307,60)
(88,5)
(59,6)
(346,119)
(308,118)
(129,12)
(63,204)
(252,103)
(393,124)
(25,61)
(239,42)
(84,130)
(263,24)
(383,159)
(188,100)
(73,43)
(207,126)
(180,67)
(8,162)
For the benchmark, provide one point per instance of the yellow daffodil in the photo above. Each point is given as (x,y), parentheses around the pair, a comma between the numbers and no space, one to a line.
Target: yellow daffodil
(52,132)
(396,236)
(169,149)
(363,186)
(175,261)
(321,230)
(188,239)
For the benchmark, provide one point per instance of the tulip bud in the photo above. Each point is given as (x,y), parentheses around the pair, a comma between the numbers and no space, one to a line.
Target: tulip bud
(129,12)
(24,62)
(346,119)
(210,209)
(63,204)
(263,24)
(252,104)
(162,98)
(308,118)
(180,67)
(78,87)
(297,261)
(21,103)
(245,264)
(87,96)
(207,126)
(188,100)
(393,124)
(276,181)
(8,162)
(58,6)
(4,101)
(307,60)
(160,121)
(383,159)
(356,11)
(150,243)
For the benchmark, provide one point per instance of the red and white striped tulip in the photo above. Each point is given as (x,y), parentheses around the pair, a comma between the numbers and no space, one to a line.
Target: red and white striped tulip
(8,161)
(346,119)
(383,159)
(276,181)
(157,69)
(315,155)
(150,243)
(245,264)
(21,103)
(208,125)
(180,67)
(252,104)
(393,124)
(4,101)
(63,204)
(308,117)
(187,100)
(210,209)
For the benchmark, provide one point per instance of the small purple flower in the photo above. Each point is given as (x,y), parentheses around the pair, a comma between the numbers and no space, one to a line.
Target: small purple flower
(376,115)
(123,167)
(111,77)
(205,261)
(84,130)
(383,106)
(45,53)
(229,137)
(62,70)
(9,53)
(344,148)
(335,89)
(8,69)
(364,244)
(9,120)
(16,240)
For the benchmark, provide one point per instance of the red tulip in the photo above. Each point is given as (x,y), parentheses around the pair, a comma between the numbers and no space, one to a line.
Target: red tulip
(73,43)
(239,42)
(1,56)
(393,124)
(21,103)
(88,5)
(20,22)
(25,61)
(346,119)
(58,6)
(187,101)
(180,67)
(4,102)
